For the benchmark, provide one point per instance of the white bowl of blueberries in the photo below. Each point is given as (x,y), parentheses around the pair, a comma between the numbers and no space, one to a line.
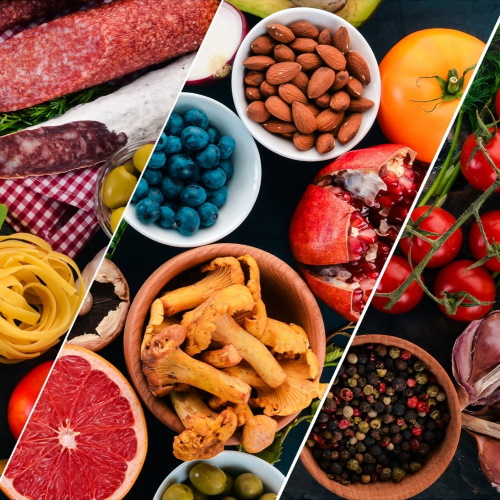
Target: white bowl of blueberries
(202,179)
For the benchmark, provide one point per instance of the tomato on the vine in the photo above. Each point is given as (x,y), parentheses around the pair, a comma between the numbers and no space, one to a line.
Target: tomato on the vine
(455,278)
(437,221)
(477,245)
(475,167)
(24,396)
(409,113)
(396,272)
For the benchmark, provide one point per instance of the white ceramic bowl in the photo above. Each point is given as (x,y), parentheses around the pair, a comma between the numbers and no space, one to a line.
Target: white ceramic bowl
(321,19)
(233,462)
(243,187)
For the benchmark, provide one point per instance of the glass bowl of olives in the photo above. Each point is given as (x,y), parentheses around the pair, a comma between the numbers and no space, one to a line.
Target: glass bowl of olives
(231,475)
(116,182)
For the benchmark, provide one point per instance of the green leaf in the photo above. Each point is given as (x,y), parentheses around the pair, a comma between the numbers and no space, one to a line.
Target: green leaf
(3,214)
(333,354)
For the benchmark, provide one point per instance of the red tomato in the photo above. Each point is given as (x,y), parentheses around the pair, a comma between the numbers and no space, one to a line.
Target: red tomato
(455,277)
(491,225)
(437,221)
(476,169)
(395,274)
(24,396)
(497,103)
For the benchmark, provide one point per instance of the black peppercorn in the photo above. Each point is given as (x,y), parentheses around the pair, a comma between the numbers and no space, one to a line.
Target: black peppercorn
(379,407)
(401,364)
(399,409)
(399,384)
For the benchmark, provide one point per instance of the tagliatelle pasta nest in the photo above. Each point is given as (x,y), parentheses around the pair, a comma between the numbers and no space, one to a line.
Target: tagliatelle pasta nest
(40,293)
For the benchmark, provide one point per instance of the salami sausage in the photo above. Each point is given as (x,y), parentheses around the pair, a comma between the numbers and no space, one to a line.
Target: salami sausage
(14,12)
(52,150)
(97,45)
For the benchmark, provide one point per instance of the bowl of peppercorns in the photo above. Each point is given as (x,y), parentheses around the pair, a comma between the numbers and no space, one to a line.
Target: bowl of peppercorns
(390,424)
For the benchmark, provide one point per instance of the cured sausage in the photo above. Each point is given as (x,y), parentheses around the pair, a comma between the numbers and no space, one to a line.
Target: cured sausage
(14,12)
(52,150)
(97,45)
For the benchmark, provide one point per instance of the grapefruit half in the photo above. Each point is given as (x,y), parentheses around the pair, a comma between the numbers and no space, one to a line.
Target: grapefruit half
(86,438)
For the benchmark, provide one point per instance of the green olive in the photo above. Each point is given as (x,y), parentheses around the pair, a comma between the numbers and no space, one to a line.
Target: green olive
(229,498)
(229,485)
(268,496)
(198,495)
(118,187)
(248,486)
(178,491)
(207,478)
(141,156)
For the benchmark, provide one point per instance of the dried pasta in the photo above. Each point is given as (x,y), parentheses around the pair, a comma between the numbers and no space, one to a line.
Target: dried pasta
(40,293)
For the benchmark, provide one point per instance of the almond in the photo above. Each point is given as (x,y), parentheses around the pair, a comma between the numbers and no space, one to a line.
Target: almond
(278,108)
(340,101)
(332,57)
(309,61)
(279,127)
(328,120)
(304,29)
(303,142)
(349,128)
(282,72)
(360,104)
(325,143)
(268,90)
(263,45)
(341,78)
(257,112)
(303,118)
(280,33)
(290,93)
(258,63)
(254,78)
(321,80)
(323,101)
(303,45)
(301,81)
(314,109)
(354,87)
(283,53)
(325,37)
(342,40)
(253,94)
(358,67)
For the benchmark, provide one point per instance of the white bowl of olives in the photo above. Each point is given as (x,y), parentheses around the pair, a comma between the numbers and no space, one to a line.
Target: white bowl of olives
(231,474)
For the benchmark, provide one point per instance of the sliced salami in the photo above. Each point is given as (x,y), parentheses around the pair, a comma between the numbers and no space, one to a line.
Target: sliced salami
(53,150)
(97,45)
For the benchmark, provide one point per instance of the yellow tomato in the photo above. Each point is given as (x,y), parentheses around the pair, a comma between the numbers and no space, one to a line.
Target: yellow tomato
(411,112)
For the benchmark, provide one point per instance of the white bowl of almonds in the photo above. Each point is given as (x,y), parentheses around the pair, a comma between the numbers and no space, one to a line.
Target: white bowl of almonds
(306,84)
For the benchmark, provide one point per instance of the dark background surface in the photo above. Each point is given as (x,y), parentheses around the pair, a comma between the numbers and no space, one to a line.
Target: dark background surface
(283,183)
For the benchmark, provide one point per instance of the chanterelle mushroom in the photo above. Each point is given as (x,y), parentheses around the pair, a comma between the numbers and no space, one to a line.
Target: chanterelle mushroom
(206,432)
(258,433)
(288,340)
(164,364)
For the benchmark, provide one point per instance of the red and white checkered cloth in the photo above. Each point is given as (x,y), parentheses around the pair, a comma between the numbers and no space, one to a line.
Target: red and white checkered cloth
(58,208)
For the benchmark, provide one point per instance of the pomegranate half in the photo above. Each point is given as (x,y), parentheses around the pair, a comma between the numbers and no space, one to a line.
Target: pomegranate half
(347,220)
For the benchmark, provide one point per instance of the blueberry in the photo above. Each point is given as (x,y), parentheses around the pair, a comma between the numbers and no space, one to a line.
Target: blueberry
(175,125)
(147,210)
(227,166)
(193,195)
(213,135)
(187,221)
(162,141)
(141,190)
(226,146)
(196,177)
(213,178)
(171,204)
(180,166)
(196,117)
(152,176)
(194,138)
(209,157)
(171,188)
(167,217)
(217,196)
(173,145)
(157,160)
(208,213)
(156,195)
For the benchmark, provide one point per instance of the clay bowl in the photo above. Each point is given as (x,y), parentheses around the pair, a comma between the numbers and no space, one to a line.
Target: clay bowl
(286,296)
(437,461)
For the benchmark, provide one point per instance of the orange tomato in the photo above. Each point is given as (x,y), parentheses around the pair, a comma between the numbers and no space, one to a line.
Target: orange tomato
(426,53)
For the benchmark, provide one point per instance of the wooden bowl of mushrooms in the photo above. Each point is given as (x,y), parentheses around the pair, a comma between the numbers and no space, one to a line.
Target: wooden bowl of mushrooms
(225,344)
